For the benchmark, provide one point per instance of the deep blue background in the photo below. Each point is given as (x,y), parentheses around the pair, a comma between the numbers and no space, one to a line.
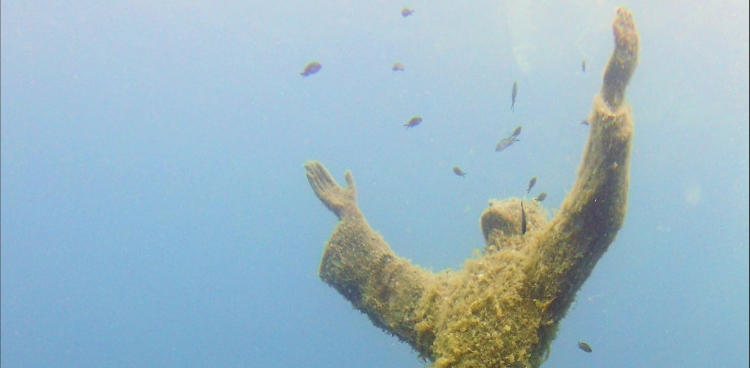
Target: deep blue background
(155,210)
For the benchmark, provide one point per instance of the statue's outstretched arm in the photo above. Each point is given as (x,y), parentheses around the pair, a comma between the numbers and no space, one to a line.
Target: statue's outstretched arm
(594,210)
(361,266)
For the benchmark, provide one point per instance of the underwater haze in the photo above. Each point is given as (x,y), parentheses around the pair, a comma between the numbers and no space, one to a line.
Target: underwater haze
(155,210)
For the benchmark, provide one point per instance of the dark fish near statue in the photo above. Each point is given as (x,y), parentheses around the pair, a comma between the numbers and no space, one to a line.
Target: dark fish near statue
(584,346)
(311,69)
(413,122)
(531,184)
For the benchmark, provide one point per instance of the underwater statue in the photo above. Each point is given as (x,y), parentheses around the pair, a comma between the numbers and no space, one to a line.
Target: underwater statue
(503,308)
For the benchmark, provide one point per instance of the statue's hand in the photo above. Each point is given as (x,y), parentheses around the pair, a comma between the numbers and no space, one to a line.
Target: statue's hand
(623,61)
(341,201)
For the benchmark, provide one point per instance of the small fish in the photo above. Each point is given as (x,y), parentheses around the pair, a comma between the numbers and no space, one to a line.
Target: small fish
(505,143)
(585,122)
(583,65)
(516,132)
(584,346)
(413,122)
(457,171)
(397,67)
(513,96)
(405,12)
(541,197)
(523,220)
(311,69)
(531,184)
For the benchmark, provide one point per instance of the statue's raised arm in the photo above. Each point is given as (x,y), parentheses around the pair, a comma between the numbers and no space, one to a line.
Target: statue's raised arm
(503,308)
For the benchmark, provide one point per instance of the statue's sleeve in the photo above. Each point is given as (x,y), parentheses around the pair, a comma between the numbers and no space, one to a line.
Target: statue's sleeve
(360,265)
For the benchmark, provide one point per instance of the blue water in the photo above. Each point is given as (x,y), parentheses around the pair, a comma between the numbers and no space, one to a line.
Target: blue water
(155,210)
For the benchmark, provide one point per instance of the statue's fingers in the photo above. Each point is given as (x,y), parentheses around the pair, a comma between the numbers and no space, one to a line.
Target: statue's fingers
(326,177)
(313,168)
(313,182)
(320,179)
(349,180)
(313,176)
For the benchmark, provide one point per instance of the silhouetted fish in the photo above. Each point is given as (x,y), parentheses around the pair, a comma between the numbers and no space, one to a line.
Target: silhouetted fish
(516,132)
(505,143)
(311,69)
(584,346)
(523,220)
(541,197)
(513,96)
(413,122)
(583,65)
(397,67)
(405,12)
(531,184)
(457,171)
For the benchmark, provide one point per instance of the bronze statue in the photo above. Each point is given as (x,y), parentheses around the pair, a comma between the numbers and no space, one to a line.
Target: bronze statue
(504,307)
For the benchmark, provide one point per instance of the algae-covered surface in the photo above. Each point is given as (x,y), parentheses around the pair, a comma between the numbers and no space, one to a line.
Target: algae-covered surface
(502,309)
